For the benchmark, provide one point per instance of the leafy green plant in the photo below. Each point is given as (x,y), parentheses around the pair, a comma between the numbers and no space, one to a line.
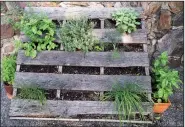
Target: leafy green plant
(115,53)
(127,99)
(33,93)
(77,34)
(8,69)
(126,20)
(40,30)
(165,79)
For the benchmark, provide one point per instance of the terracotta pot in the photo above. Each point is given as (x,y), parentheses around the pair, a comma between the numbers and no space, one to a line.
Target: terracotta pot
(9,90)
(161,107)
(126,38)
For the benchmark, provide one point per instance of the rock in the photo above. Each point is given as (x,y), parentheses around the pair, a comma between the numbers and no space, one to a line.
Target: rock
(108,4)
(8,48)
(176,7)
(172,43)
(178,20)
(135,4)
(95,4)
(117,4)
(150,8)
(6,31)
(125,4)
(165,20)
(165,6)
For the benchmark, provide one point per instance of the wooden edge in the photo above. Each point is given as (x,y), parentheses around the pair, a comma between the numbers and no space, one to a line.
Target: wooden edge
(101,70)
(18,68)
(60,69)
(102,24)
(87,120)
(58,94)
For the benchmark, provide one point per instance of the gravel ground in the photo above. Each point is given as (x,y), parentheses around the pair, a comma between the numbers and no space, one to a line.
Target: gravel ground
(172,117)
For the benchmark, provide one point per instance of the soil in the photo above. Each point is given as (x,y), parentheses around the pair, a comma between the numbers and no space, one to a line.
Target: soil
(39,68)
(124,71)
(80,70)
(130,47)
(80,95)
(97,23)
(51,94)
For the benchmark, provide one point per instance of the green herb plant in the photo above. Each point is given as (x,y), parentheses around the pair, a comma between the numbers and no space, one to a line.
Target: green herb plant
(127,99)
(40,30)
(33,93)
(165,79)
(115,53)
(126,20)
(76,34)
(8,69)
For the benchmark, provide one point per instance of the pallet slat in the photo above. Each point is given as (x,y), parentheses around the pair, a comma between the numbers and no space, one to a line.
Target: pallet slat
(58,13)
(59,108)
(96,59)
(78,82)
(109,35)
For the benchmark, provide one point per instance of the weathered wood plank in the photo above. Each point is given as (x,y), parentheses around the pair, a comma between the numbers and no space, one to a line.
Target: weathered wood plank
(58,13)
(87,120)
(61,58)
(113,36)
(109,35)
(66,109)
(78,82)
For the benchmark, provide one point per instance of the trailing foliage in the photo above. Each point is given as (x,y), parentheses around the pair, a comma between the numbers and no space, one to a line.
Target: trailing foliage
(33,93)
(77,34)
(8,69)
(165,79)
(126,20)
(127,99)
(40,30)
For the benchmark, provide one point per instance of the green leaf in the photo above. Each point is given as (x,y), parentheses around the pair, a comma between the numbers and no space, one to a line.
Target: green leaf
(34,29)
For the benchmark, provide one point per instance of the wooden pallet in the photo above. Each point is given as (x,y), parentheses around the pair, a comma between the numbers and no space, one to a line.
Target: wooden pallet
(65,109)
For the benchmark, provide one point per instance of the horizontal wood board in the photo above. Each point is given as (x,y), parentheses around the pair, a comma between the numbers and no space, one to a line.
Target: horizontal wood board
(59,13)
(78,81)
(66,109)
(108,36)
(96,59)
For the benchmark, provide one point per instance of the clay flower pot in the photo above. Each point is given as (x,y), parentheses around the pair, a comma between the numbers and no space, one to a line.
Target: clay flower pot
(9,90)
(161,107)
(126,38)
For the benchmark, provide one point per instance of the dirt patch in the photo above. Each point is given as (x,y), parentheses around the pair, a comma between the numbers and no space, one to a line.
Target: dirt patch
(50,94)
(124,71)
(80,95)
(80,70)
(39,68)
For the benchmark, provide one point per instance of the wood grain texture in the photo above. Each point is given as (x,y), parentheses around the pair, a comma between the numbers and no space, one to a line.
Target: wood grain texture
(78,81)
(98,59)
(59,13)
(87,120)
(65,109)
(108,35)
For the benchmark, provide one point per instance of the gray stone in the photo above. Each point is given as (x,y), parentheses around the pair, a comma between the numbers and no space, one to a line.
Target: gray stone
(125,4)
(117,4)
(178,20)
(172,42)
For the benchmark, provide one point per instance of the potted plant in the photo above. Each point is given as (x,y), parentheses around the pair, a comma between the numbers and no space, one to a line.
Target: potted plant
(8,72)
(165,80)
(126,22)
(127,99)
